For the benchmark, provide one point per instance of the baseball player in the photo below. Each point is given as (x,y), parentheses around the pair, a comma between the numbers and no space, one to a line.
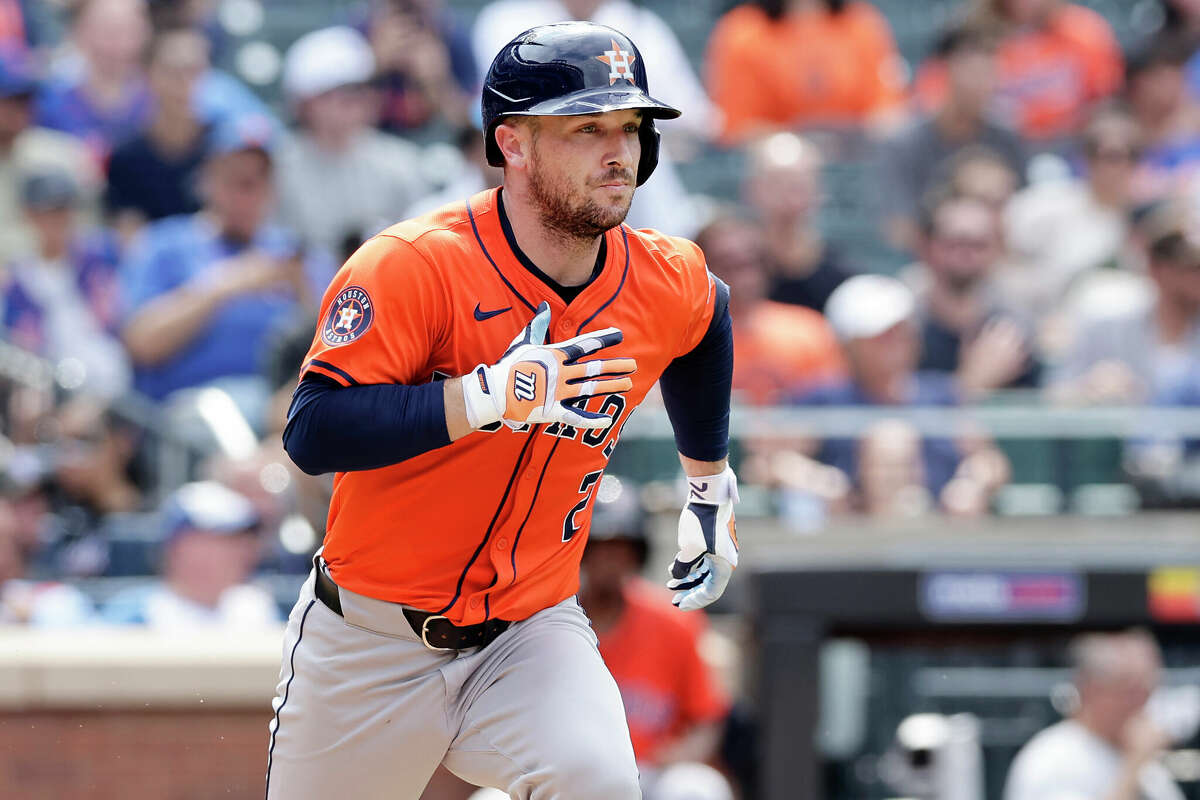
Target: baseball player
(467,383)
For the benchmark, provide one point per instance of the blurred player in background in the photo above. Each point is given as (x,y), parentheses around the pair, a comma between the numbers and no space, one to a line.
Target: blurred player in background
(674,707)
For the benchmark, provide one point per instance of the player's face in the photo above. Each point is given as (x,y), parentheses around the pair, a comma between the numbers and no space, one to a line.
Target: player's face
(582,170)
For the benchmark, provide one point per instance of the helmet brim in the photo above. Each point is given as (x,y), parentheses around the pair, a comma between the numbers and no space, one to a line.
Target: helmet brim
(598,101)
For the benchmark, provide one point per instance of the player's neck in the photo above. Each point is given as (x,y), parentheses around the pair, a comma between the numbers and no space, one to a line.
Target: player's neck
(568,261)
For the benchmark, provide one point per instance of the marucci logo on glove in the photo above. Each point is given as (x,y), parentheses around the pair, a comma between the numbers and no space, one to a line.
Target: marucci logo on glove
(524,385)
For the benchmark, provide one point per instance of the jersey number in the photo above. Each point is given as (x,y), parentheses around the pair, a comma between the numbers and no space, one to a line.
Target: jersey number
(587,488)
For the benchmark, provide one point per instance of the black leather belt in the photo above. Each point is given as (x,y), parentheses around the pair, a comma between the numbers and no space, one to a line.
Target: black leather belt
(436,632)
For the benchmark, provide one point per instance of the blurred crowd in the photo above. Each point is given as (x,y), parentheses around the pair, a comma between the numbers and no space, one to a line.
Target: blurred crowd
(170,215)
(169,220)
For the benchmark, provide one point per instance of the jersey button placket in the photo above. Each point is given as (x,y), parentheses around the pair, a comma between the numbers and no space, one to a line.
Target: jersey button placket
(502,543)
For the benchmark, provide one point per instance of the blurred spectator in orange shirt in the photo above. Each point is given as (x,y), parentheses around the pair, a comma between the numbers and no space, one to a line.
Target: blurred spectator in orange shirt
(1056,60)
(779,349)
(785,63)
(674,707)
(783,189)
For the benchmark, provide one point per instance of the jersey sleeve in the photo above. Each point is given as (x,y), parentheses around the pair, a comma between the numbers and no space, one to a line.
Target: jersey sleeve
(700,291)
(383,318)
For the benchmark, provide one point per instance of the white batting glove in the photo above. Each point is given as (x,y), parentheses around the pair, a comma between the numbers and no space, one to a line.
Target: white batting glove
(708,548)
(534,381)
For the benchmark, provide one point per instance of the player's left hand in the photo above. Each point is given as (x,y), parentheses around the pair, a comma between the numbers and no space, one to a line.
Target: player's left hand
(708,548)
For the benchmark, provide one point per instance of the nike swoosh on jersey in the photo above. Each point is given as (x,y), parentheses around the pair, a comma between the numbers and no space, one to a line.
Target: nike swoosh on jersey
(480,316)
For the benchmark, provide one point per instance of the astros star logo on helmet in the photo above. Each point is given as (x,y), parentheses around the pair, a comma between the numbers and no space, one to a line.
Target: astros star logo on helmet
(620,63)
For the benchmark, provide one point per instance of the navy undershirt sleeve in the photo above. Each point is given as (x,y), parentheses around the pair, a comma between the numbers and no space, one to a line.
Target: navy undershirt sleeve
(695,388)
(332,428)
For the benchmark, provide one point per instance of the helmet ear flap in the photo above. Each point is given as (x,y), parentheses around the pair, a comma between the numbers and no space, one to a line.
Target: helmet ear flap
(650,143)
(492,150)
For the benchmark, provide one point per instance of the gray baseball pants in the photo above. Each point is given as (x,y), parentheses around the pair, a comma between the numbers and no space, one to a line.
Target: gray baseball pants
(365,711)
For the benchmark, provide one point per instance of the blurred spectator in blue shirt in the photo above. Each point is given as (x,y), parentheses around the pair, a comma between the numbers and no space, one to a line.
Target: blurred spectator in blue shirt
(892,469)
(424,66)
(210,550)
(25,148)
(1169,117)
(61,301)
(103,98)
(154,174)
(340,180)
(202,292)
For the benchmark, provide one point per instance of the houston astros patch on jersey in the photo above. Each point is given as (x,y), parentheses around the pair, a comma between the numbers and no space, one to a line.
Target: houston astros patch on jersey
(431,298)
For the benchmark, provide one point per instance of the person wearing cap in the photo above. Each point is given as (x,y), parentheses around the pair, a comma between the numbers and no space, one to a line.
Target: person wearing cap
(874,317)
(203,292)
(155,174)
(60,301)
(210,548)
(674,706)
(340,180)
(25,148)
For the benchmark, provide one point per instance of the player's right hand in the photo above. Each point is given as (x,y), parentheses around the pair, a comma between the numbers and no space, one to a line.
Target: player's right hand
(533,382)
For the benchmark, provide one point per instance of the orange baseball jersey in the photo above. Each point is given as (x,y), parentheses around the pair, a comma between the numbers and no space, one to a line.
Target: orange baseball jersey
(492,525)
(653,655)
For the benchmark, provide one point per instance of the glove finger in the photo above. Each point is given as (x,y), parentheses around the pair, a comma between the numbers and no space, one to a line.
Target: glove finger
(588,343)
(597,368)
(689,582)
(540,324)
(695,600)
(594,388)
(578,418)
(681,569)
(535,331)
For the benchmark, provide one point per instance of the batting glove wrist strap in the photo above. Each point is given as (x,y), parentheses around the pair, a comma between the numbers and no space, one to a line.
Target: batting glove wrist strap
(533,382)
(708,549)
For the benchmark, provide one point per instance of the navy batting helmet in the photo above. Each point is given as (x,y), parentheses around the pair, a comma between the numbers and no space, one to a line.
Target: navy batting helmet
(571,68)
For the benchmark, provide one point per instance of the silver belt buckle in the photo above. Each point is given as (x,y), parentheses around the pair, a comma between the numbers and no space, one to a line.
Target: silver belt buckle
(425,632)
